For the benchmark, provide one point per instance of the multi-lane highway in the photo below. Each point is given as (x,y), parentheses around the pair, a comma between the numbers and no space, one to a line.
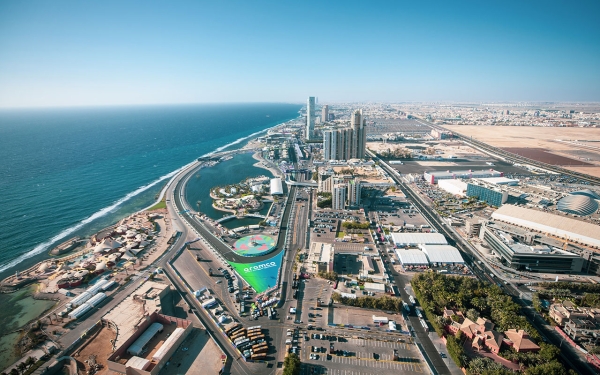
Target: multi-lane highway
(483,271)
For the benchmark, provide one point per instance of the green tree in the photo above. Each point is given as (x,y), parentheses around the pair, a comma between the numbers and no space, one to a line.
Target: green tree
(291,365)
(30,361)
(22,367)
(548,352)
(549,368)
(472,314)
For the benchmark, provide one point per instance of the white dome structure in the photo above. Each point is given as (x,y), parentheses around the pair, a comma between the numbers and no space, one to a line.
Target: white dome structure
(582,205)
(586,192)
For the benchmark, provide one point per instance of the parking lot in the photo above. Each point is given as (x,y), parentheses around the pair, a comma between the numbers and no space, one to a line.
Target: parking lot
(356,355)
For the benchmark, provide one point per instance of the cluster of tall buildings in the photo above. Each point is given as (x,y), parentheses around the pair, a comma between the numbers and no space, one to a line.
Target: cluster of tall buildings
(345,190)
(346,143)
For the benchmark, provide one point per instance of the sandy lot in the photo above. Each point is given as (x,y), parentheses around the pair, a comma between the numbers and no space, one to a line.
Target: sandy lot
(550,139)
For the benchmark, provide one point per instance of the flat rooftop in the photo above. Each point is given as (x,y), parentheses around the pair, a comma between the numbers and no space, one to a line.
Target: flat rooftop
(128,314)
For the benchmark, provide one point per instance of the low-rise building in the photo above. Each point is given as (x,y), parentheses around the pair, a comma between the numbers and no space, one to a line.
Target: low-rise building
(537,258)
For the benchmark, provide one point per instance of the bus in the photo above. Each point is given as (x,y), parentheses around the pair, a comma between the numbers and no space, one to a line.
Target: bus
(256,346)
(236,331)
(255,327)
(257,337)
(232,329)
(258,356)
(254,331)
(262,349)
(241,343)
(237,336)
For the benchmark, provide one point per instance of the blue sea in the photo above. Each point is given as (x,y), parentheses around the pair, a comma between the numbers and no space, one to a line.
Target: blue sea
(68,172)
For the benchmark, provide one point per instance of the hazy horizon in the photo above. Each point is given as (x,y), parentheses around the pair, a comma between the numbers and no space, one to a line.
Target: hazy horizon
(73,54)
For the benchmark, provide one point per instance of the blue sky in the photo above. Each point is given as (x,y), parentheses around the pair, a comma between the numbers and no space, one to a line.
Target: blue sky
(70,53)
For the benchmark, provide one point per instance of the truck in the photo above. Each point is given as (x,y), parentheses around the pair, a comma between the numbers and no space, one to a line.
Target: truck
(380,319)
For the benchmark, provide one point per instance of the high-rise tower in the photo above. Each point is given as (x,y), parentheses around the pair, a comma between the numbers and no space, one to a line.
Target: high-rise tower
(359,135)
(325,113)
(310,118)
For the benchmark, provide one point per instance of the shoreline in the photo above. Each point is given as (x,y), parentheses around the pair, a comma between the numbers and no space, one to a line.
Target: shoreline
(52,243)
(10,288)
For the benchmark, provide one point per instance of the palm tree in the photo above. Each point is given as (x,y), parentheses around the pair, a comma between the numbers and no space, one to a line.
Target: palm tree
(30,361)
(22,367)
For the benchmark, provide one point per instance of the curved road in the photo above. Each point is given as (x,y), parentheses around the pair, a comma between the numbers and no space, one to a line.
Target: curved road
(225,250)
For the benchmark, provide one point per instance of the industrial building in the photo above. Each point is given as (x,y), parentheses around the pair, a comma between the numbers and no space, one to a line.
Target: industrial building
(147,351)
(416,239)
(486,193)
(276,186)
(550,224)
(442,254)
(455,187)
(375,287)
(500,181)
(536,258)
(434,177)
(412,257)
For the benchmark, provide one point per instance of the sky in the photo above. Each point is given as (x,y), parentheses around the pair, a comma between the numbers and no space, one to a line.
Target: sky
(85,53)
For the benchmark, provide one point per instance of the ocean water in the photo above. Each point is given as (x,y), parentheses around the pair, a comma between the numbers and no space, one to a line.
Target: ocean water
(68,172)
(225,173)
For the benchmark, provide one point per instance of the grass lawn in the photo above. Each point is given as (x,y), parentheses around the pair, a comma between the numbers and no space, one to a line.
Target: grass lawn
(340,234)
(158,206)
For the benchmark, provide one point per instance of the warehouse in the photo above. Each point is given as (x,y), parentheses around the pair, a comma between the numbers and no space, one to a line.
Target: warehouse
(442,254)
(434,177)
(138,346)
(559,226)
(500,181)
(276,186)
(415,239)
(455,187)
(375,287)
(412,257)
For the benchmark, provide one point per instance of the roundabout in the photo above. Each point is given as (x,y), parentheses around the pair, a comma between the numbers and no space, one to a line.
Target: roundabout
(255,245)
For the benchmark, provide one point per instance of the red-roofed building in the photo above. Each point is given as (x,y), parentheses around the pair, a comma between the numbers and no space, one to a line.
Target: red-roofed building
(520,341)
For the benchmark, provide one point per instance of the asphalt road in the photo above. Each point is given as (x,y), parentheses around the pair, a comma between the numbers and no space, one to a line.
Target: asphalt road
(568,353)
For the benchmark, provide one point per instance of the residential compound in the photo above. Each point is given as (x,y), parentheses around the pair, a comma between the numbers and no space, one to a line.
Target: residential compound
(582,324)
(346,143)
(482,335)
